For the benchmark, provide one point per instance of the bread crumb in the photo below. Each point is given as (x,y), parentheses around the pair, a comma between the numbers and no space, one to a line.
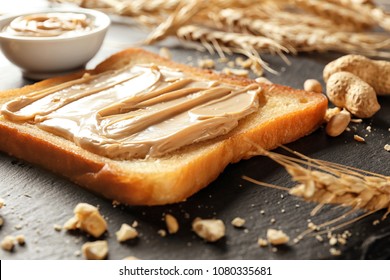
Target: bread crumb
(162,232)
(115,203)
(319,238)
(332,241)
(238,222)
(247,63)
(387,147)
(334,252)
(359,138)
(8,243)
(210,230)
(134,224)
(165,53)
(341,240)
(312,226)
(223,59)
(369,128)
(356,120)
(230,64)
(277,237)
(236,72)
(262,212)
(171,223)
(273,220)
(77,253)
(263,80)
(87,218)
(18,227)
(330,112)
(96,250)
(206,63)
(125,233)
(57,227)
(274,249)
(130,258)
(20,239)
(376,222)
(257,69)
(262,242)
(1,203)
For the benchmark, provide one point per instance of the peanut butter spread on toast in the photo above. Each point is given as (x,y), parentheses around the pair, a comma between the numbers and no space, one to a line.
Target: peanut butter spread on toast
(136,112)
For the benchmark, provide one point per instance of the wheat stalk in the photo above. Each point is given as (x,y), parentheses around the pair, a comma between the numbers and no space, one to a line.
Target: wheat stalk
(330,183)
(301,37)
(228,42)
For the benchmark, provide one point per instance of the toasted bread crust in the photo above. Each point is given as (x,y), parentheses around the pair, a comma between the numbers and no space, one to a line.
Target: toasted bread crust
(173,177)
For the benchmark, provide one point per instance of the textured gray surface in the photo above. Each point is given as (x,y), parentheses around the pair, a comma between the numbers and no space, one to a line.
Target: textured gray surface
(37,199)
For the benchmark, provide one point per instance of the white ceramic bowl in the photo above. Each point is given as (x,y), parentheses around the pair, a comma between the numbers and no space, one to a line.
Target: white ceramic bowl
(42,57)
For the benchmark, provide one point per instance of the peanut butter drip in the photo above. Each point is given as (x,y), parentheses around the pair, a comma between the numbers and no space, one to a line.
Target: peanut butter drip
(136,112)
(49,24)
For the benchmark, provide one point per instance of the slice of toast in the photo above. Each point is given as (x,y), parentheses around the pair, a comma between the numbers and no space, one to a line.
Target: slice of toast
(285,114)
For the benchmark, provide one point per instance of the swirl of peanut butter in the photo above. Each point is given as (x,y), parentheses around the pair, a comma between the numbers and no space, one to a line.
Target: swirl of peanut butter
(50,24)
(136,112)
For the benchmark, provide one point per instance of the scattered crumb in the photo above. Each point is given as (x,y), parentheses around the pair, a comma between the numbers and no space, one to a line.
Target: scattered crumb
(330,112)
(171,223)
(387,147)
(18,227)
(134,224)
(77,253)
(1,203)
(88,219)
(334,252)
(130,258)
(332,241)
(273,220)
(376,222)
(8,243)
(274,249)
(247,63)
(115,203)
(246,230)
(262,242)
(257,69)
(263,80)
(210,230)
(206,63)
(319,238)
(341,240)
(312,226)
(297,206)
(262,212)
(369,128)
(359,138)
(20,239)
(282,211)
(277,237)
(125,233)
(238,222)
(162,232)
(236,72)
(96,250)
(165,53)
(57,227)
(356,120)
